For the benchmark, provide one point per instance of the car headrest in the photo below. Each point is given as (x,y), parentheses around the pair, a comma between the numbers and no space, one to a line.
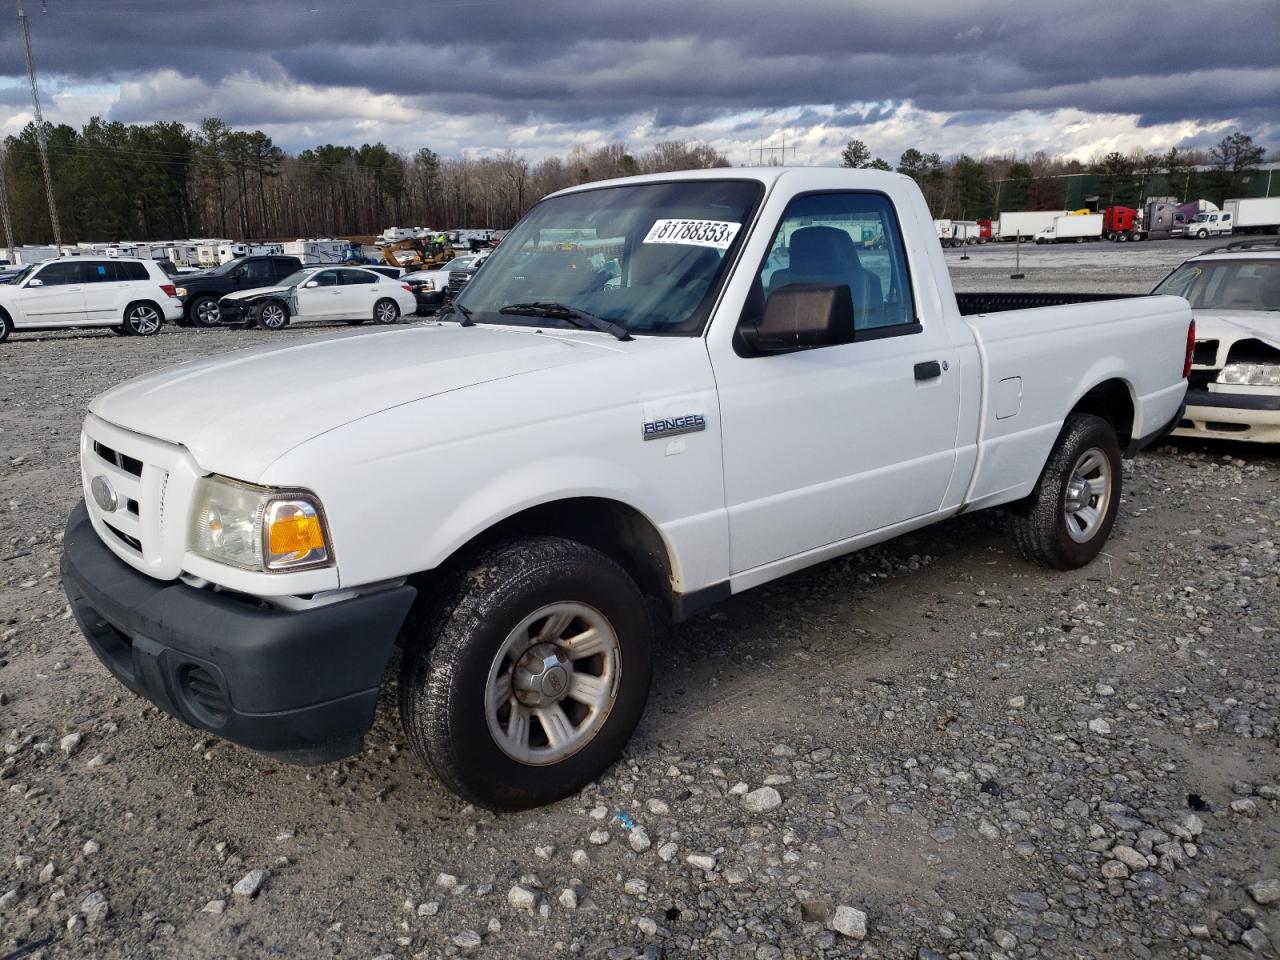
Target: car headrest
(820,251)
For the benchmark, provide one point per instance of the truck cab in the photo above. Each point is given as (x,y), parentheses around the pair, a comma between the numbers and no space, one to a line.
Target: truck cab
(1216,223)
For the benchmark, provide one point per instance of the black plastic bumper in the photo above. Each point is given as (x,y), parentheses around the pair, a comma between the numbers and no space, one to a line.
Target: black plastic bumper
(301,687)
(1236,401)
(428,299)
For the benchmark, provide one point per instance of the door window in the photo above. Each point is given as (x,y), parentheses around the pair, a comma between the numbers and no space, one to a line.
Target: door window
(283,266)
(59,274)
(256,271)
(351,278)
(844,238)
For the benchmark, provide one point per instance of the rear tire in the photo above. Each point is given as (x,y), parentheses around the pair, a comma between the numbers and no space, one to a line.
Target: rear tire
(512,730)
(1066,520)
(386,310)
(142,319)
(6,326)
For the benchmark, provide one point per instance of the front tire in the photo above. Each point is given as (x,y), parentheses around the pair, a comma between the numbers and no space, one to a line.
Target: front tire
(142,319)
(386,311)
(527,679)
(1066,520)
(6,326)
(271,315)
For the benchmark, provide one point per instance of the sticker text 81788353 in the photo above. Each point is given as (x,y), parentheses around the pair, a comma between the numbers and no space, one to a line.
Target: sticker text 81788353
(698,233)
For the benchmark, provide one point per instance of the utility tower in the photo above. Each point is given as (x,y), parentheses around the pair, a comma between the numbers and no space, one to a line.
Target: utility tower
(4,204)
(41,145)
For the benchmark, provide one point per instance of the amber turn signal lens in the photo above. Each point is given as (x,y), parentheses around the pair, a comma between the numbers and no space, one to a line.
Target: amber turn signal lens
(298,533)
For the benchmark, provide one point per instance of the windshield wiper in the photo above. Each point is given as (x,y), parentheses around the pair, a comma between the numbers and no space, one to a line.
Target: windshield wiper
(455,307)
(562,311)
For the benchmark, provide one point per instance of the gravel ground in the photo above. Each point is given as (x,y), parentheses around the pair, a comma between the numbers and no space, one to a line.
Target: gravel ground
(929,749)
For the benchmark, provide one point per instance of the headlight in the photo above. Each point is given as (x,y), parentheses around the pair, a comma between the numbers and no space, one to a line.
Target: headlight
(181,291)
(1251,374)
(427,284)
(258,528)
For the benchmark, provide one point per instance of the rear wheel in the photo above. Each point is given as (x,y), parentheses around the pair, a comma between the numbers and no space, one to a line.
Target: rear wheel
(271,315)
(142,319)
(6,326)
(1066,520)
(529,676)
(386,311)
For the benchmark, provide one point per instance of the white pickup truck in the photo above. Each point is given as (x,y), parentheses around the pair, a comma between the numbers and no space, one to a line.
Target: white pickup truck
(713,386)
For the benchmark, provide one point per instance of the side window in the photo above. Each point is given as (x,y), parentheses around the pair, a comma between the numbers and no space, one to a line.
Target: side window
(326,278)
(845,238)
(283,266)
(59,274)
(98,271)
(256,271)
(351,278)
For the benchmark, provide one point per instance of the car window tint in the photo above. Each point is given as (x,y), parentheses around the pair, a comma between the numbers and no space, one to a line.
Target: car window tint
(97,271)
(326,278)
(59,274)
(351,278)
(256,270)
(848,239)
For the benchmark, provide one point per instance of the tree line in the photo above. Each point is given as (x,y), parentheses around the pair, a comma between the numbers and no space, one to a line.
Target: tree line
(966,188)
(166,180)
(116,181)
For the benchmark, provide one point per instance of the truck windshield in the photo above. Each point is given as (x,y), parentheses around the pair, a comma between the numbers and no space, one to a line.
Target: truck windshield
(647,257)
(1236,284)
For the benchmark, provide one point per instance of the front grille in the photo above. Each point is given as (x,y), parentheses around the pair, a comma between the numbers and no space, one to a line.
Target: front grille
(126,463)
(123,537)
(150,479)
(1205,353)
(457,280)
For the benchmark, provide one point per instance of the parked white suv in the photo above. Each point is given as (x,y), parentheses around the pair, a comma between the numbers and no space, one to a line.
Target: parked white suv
(129,295)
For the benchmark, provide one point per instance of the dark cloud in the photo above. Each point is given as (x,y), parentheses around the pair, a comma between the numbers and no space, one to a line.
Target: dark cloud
(681,63)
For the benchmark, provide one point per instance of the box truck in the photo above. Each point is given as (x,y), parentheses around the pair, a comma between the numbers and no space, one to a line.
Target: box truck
(1024,223)
(1073,228)
(1253,214)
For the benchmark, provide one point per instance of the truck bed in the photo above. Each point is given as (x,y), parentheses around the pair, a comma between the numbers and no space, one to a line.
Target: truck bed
(975,303)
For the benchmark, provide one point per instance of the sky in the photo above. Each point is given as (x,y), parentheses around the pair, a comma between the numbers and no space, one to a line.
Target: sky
(476,77)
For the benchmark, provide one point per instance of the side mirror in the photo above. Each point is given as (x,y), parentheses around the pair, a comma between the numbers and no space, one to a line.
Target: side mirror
(311,283)
(35,282)
(801,316)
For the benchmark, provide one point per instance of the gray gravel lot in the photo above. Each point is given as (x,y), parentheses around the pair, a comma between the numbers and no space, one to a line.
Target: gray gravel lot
(929,749)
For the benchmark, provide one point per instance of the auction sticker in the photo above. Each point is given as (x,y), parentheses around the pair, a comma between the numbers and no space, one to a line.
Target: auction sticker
(699,233)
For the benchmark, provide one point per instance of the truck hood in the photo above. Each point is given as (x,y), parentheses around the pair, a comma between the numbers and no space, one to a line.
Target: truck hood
(239,412)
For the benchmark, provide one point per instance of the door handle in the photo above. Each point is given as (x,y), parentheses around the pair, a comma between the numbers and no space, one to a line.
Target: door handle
(929,370)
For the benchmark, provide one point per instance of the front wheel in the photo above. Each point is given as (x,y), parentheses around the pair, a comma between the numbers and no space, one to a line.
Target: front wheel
(527,679)
(6,326)
(386,311)
(1202,234)
(1066,520)
(271,315)
(142,319)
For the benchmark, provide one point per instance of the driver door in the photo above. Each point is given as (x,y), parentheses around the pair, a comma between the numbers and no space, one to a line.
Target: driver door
(54,296)
(824,444)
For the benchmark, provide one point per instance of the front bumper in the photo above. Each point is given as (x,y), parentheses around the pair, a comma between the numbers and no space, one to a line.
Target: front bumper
(428,299)
(299,686)
(234,311)
(1254,417)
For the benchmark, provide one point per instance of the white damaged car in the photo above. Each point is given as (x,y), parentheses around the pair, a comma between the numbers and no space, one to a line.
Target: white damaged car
(1234,292)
